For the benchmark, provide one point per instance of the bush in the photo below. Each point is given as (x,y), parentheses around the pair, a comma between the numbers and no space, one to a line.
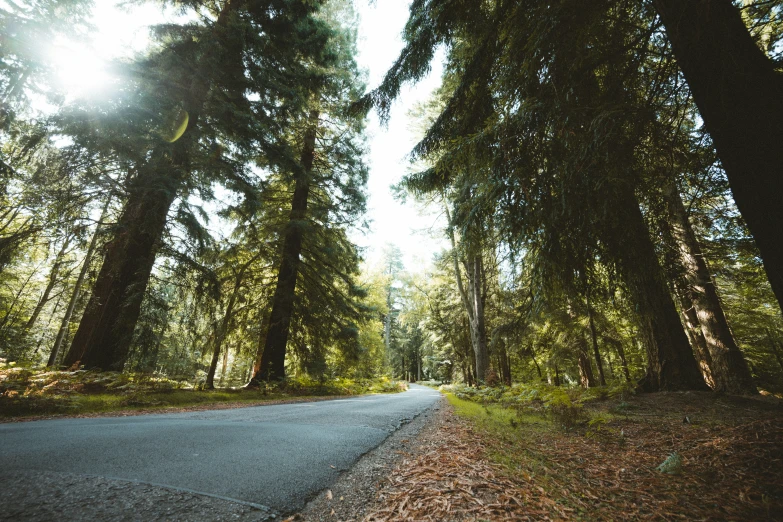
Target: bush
(564,406)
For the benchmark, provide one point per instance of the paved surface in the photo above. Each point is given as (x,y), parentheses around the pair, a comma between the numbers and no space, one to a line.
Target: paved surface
(272,457)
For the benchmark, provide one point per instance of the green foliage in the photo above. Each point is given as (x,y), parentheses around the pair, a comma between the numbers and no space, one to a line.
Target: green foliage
(32,391)
(672,465)
(564,406)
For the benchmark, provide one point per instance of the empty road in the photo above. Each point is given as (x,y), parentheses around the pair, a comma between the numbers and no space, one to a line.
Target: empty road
(272,457)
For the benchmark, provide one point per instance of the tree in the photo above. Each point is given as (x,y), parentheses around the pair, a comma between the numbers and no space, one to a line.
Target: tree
(202,80)
(739,91)
(728,368)
(327,193)
(563,171)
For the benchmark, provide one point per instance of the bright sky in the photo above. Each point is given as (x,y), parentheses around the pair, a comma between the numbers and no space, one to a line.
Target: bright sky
(416,232)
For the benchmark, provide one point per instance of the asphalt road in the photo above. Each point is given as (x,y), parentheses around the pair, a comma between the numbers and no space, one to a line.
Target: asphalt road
(275,456)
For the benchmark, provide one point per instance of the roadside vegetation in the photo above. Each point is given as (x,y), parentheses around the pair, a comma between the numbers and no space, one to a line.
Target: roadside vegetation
(626,456)
(31,392)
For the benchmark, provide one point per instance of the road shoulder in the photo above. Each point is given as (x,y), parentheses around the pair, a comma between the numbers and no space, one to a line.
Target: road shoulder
(354,495)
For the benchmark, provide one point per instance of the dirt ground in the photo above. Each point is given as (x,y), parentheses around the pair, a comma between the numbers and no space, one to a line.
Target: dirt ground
(727,465)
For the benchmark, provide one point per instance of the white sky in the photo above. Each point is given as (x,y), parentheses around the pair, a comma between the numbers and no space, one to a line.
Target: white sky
(418,234)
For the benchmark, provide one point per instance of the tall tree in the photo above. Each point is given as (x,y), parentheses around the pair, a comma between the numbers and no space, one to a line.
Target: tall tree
(729,370)
(739,91)
(202,82)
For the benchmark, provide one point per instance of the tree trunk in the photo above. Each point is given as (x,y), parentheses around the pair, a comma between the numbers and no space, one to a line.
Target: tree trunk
(740,97)
(594,336)
(273,357)
(106,329)
(478,327)
(53,274)
(586,378)
(77,288)
(618,346)
(693,328)
(224,367)
(220,335)
(535,362)
(473,301)
(730,372)
(557,375)
(670,361)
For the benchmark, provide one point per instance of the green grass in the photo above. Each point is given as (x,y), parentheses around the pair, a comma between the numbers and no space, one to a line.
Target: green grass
(507,430)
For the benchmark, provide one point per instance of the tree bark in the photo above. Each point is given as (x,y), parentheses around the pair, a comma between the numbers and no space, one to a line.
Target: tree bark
(693,329)
(272,366)
(594,337)
(473,301)
(106,329)
(740,97)
(670,361)
(77,288)
(730,371)
(586,378)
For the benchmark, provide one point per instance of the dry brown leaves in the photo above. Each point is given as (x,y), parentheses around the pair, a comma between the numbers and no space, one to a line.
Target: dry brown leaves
(732,452)
(453,480)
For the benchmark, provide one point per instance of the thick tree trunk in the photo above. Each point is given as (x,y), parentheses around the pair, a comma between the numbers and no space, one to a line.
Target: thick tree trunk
(52,281)
(671,365)
(740,97)
(77,287)
(693,328)
(730,372)
(224,367)
(273,358)
(106,329)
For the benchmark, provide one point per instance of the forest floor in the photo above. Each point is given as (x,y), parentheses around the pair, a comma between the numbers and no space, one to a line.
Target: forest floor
(36,394)
(663,456)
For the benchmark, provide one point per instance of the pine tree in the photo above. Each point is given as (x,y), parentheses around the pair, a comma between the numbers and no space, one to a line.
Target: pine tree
(197,88)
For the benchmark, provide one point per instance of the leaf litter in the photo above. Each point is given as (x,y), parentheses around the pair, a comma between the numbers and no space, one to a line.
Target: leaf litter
(729,467)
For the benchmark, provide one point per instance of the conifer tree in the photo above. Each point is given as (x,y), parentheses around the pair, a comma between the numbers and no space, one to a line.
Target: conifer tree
(196,89)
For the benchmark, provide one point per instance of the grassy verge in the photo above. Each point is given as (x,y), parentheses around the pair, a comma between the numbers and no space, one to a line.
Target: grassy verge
(40,393)
(661,456)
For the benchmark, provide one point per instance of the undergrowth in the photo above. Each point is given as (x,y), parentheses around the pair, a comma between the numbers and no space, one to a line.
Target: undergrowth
(565,407)
(678,455)
(36,391)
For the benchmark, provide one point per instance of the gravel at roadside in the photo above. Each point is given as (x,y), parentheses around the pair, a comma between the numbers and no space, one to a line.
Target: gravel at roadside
(354,495)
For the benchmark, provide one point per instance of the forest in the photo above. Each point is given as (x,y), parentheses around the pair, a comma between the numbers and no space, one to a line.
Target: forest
(610,174)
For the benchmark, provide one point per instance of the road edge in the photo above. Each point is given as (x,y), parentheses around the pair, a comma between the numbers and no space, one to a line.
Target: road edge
(353,493)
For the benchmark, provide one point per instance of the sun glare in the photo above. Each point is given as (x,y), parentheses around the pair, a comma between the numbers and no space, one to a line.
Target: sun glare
(79,69)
